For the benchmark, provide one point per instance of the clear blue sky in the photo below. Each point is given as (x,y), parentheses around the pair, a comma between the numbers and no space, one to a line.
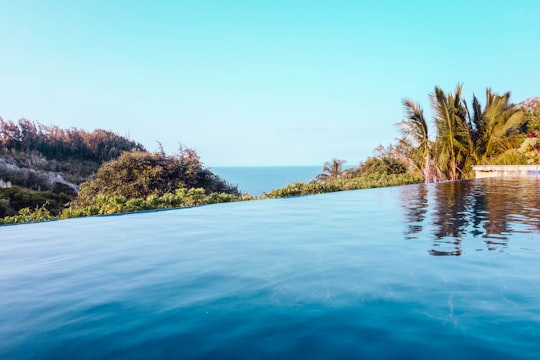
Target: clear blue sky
(257,82)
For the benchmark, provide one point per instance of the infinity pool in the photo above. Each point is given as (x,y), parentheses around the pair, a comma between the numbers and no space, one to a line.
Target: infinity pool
(445,271)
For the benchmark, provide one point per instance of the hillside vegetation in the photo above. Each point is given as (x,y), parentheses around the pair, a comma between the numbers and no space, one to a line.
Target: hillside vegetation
(43,167)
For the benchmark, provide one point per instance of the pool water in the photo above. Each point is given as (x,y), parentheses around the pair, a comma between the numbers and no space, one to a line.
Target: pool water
(446,271)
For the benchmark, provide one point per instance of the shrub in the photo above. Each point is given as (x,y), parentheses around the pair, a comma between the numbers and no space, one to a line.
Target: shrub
(27,215)
(530,148)
(143,174)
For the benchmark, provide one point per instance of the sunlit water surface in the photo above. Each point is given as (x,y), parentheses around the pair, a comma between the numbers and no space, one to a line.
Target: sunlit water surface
(445,271)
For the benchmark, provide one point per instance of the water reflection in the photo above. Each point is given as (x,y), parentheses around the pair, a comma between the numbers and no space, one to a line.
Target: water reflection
(492,209)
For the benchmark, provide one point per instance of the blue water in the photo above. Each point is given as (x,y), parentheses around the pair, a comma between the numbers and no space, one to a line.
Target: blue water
(342,275)
(258,179)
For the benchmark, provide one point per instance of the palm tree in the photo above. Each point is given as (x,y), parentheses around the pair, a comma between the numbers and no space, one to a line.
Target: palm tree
(491,125)
(415,138)
(453,142)
(463,137)
(332,170)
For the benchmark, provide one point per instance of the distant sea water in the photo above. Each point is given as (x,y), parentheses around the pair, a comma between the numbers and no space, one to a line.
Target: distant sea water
(258,179)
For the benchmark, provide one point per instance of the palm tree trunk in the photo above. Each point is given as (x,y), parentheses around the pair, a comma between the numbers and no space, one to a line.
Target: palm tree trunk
(427,164)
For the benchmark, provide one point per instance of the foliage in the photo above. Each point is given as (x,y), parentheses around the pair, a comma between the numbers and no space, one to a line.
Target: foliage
(530,148)
(365,181)
(491,129)
(381,165)
(37,156)
(332,170)
(26,215)
(385,165)
(451,141)
(141,174)
(108,205)
(56,143)
(510,157)
(531,109)
(300,189)
(135,181)
(14,199)
(415,138)
(376,180)
(464,136)
(182,197)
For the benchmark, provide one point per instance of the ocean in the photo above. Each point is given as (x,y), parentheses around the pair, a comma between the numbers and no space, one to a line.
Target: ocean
(255,180)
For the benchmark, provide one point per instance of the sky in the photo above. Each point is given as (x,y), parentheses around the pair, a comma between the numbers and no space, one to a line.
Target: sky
(257,83)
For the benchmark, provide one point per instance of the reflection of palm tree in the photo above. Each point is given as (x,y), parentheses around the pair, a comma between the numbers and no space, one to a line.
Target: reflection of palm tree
(453,199)
(331,170)
(456,212)
(414,201)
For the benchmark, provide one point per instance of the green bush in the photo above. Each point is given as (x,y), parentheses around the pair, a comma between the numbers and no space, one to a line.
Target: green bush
(530,148)
(27,215)
(15,198)
(379,180)
(106,205)
(371,180)
(143,174)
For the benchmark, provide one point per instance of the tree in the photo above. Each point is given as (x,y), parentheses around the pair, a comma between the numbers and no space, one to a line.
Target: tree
(531,116)
(490,127)
(415,140)
(463,136)
(380,166)
(141,174)
(453,142)
(332,170)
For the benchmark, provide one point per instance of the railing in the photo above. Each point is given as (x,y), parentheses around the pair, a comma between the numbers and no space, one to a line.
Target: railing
(484,171)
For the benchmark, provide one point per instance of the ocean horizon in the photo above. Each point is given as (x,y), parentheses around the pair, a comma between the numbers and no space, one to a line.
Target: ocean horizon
(255,180)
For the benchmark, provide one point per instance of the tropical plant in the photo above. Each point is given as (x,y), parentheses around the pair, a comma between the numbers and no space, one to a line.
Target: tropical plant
(463,136)
(332,170)
(491,126)
(415,138)
(452,143)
